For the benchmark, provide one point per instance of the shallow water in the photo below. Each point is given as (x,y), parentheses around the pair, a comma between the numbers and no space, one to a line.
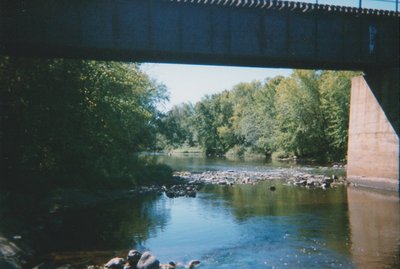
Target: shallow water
(198,163)
(252,227)
(243,226)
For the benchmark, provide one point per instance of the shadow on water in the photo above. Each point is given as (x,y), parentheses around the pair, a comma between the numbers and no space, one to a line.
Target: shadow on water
(87,234)
(375,228)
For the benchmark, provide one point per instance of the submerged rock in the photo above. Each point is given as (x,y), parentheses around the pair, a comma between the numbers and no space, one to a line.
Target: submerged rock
(172,265)
(193,263)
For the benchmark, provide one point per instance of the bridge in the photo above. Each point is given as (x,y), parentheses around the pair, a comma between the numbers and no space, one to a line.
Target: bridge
(238,32)
(267,33)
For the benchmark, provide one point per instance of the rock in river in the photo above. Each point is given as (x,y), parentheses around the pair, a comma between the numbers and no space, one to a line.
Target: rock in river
(115,263)
(132,259)
(148,261)
(193,263)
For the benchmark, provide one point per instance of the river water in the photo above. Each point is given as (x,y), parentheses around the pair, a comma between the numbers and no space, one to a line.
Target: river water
(240,226)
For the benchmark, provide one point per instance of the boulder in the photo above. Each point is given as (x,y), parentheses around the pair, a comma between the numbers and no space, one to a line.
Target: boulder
(115,263)
(148,261)
(301,182)
(13,253)
(325,185)
(133,258)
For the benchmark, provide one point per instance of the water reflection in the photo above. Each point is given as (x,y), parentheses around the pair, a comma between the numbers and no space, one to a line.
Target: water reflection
(375,228)
(291,227)
(243,226)
(117,225)
(84,235)
(199,163)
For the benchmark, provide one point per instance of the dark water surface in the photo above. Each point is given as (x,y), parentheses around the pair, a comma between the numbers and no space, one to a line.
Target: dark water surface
(243,226)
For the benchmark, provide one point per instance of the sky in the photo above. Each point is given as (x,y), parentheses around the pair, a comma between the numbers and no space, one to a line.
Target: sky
(190,83)
(374,4)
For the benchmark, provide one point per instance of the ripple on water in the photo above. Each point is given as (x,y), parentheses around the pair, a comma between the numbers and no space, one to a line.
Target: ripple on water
(206,228)
(266,243)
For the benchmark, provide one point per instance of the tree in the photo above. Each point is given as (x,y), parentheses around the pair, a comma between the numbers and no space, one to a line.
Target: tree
(176,127)
(257,123)
(300,125)
(69,119)
(213,123)
(335,101)
(304,115)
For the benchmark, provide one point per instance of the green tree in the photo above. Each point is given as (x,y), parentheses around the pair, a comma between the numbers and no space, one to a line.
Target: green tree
(303,115)
(335,101)
(300,126)
(70,119)
(176,127)
(213,123)
(257,122)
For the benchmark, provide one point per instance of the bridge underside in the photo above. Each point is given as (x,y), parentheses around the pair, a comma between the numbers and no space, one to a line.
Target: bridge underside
(269,33)
(247,33)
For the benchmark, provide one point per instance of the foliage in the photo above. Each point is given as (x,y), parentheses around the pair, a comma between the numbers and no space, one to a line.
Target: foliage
(79,123)
(335,92)
(304,115)
(72,119)
(257,122)
(176,127)
(300,125)
(213,123)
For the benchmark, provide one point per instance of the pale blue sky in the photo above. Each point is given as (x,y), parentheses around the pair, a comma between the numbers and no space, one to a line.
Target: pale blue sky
(189,83)
(374,4)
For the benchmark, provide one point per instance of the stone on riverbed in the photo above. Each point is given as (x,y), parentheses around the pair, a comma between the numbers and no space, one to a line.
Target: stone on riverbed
(301,182)
(179,190)
(13,253)
(148,261)
(315,181)
(230,178)
(115,263)
(132,259)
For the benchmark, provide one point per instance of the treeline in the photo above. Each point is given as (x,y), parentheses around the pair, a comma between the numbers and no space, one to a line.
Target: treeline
(76,123)
(304,115)
(81,123)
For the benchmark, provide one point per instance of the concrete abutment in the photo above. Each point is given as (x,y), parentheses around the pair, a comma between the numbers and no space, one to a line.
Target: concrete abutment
(373,146)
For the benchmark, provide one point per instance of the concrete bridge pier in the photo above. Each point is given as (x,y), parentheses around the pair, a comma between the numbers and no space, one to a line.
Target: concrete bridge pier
(373,146)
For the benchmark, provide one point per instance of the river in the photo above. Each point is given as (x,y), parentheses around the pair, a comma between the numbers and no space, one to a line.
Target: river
(240,226)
